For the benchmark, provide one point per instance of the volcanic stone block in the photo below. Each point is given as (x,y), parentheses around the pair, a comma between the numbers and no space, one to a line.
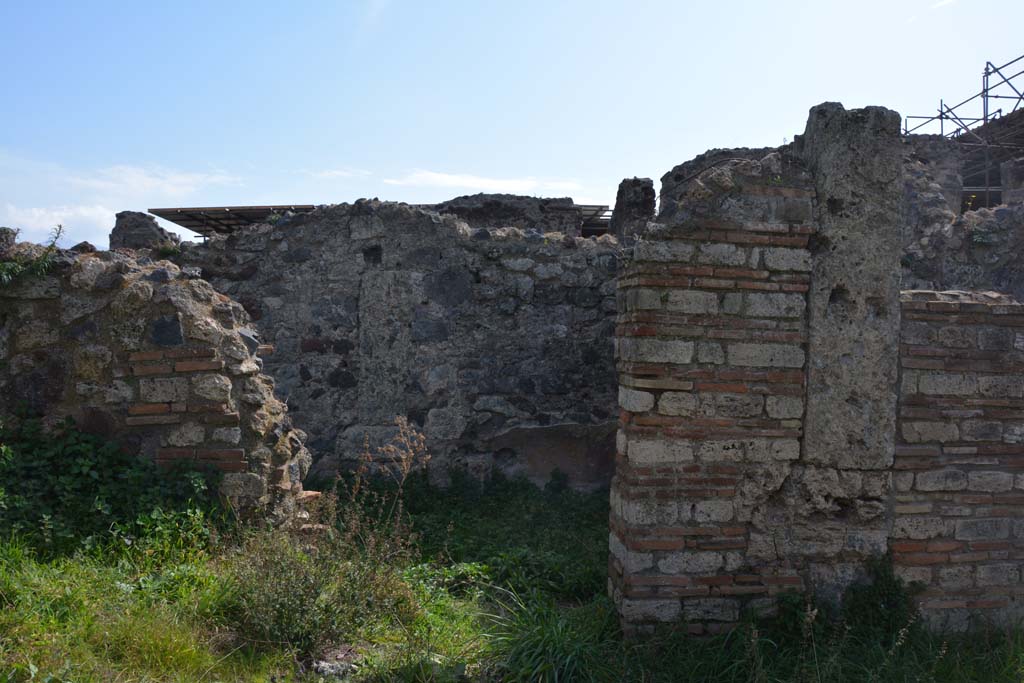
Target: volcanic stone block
(854,297)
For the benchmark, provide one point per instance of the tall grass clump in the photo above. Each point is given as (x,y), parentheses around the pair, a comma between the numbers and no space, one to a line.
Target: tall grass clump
(338,576)
(531,639)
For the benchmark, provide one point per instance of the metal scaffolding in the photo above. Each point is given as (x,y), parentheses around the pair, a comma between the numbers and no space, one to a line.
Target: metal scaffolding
(990,136)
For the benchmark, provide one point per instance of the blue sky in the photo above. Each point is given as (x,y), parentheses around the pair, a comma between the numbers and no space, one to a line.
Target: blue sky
(129,105)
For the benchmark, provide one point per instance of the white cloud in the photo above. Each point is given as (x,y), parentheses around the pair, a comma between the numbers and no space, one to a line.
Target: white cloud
(942,3)
(124,181)
(528,185)
(90,222)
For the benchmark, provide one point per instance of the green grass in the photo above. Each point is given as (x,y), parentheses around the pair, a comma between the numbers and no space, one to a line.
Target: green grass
(101,619)
(554,541)
(500,583)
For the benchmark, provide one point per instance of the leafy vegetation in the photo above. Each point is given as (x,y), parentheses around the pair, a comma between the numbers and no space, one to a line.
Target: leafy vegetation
(20,266)
(167,251)
(65,489)
(396,582)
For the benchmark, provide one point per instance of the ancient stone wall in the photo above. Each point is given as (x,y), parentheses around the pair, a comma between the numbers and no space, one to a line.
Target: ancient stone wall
(544,215)
(634,207)
(958,479)
(155,359)
(497,342)
(765,444)
(1011,173)
(977,250)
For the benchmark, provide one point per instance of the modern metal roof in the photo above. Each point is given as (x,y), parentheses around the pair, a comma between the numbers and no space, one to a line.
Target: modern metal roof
(595,216)
(207,220)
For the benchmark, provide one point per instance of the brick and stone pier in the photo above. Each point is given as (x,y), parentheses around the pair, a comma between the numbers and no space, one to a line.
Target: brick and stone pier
(787,413)
(712,358)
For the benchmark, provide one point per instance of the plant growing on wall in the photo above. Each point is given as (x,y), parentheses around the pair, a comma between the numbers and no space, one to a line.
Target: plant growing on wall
(20,266)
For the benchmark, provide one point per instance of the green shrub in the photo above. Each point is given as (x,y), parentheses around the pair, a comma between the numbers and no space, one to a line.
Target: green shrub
(288,593)
(167,251)
(340,575)
(20,266)
(63,489)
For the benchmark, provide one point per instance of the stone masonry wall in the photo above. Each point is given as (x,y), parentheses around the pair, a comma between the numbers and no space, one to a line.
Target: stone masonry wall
(153,358)
(711,355)
(958,522)
(496,341)
(785,415)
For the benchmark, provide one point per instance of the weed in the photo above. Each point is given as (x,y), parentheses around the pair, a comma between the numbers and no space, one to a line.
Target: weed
(167,251)
(531,639)
(73,488)
(20,267)
(339,575)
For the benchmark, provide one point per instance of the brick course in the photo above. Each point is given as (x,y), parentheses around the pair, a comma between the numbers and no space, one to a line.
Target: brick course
(711,340)
(959,449)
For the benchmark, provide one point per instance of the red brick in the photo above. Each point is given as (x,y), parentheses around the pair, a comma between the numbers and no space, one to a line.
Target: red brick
(801,278)
(713,580)
(990,545)
(149,408)
(191,353)
(908,546)
(657,544)
(713,283)
(920,559)
(146,355)
(658,581)
(175,453)
(738,544)
(152,420)
(198,365)
(943,546)
(158,369)
(658,420)
(959,558)
(741,273)
(693,271)
(782,580)
(788,241)
(221,454)
(761,286)
(718,387)
(746,238)
(265,350)
(738,590)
